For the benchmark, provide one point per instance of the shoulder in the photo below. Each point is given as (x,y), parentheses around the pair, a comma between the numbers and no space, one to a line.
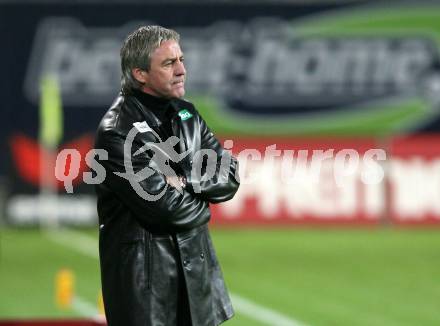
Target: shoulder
(121,115)
(111,117)
(118,120)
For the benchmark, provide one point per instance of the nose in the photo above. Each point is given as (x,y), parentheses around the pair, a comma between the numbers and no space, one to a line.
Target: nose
(180,69)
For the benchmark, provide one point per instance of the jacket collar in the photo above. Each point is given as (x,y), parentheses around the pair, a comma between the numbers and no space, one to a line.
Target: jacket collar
(151,104)
(151,101)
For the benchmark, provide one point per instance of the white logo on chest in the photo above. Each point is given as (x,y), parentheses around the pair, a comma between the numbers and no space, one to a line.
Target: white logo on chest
(142,126)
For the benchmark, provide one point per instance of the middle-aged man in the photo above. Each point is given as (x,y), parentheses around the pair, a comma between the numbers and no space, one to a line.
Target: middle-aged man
(158,264)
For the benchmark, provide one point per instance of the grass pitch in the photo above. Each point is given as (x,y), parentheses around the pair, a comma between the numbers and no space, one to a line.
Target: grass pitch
(318,277)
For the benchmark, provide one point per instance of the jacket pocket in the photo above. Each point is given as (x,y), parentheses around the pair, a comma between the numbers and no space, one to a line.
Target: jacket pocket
(134,267)
(131,232)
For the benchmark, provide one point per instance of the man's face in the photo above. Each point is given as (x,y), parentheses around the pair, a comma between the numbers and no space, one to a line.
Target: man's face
(166,76)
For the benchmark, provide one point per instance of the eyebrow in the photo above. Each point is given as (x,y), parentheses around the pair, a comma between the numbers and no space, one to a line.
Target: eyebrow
(172,59)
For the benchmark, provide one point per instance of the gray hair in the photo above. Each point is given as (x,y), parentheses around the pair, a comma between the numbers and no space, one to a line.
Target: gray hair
(137,49)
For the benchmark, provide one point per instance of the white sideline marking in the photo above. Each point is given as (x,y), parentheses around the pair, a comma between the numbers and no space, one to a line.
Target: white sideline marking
(77,241)
(262,314)
(88,246)
(84,307)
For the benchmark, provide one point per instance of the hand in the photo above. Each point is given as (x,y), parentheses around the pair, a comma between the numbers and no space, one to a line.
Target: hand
(177,182)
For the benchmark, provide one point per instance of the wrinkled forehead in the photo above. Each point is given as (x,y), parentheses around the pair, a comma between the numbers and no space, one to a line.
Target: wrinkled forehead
(167,49)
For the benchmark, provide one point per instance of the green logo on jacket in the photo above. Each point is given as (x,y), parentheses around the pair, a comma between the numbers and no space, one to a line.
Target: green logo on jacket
(184,114)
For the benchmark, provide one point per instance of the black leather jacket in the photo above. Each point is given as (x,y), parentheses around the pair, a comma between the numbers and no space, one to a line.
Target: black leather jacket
(142,241)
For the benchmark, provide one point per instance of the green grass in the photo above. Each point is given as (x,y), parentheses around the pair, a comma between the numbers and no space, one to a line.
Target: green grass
(28,265)
(321,277)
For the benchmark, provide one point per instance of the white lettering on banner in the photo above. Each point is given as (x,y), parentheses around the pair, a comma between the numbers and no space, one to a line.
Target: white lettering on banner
(66,60)
(249,179)
(373,200)
(247,62)
(319,156)
(32,209)
(268,190)
(324,198)
(346,164)
(291,166)
(373,171)
(247,176)
(305,192)
(415,188)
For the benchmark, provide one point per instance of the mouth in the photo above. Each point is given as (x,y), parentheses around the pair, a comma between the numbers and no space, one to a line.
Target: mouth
(179,83)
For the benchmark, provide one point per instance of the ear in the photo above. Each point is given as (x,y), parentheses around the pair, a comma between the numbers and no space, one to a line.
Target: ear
(140,75)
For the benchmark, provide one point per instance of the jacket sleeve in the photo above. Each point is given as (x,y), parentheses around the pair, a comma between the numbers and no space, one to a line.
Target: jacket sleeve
(223,183)
(154,203)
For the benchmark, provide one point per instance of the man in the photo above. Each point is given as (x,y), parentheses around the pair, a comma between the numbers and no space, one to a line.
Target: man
(158,265)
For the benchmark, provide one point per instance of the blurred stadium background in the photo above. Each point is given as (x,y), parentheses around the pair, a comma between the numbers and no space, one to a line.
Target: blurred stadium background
(298,75)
